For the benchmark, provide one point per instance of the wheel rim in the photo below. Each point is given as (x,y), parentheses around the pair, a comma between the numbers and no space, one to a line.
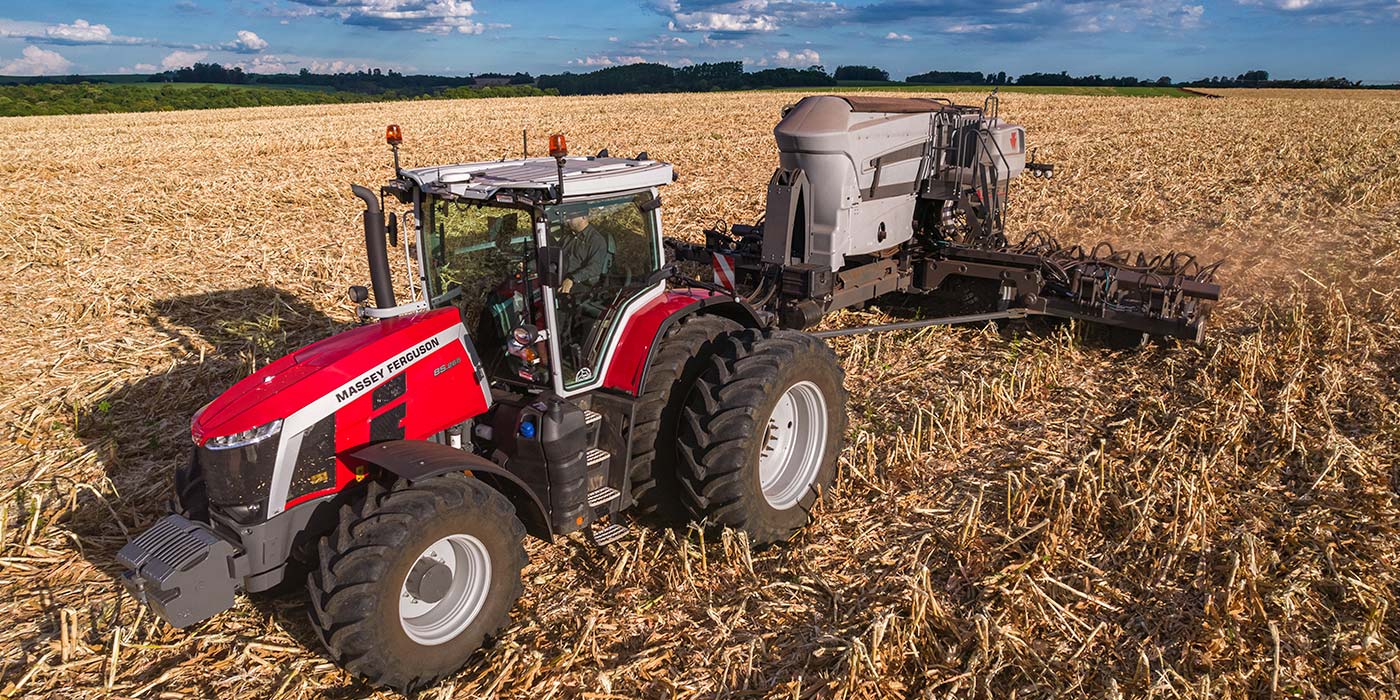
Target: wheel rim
(793,445)
(432,622)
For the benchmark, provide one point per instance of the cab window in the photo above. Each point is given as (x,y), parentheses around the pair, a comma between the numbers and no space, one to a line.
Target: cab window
(610,255)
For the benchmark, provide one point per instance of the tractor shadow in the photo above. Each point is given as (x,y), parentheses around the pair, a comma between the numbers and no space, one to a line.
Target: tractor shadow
(139,431)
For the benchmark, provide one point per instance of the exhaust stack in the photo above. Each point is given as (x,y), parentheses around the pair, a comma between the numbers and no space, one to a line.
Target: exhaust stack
(375,249)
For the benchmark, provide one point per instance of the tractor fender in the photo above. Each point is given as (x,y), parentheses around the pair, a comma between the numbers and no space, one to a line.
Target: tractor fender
(420,459)
(637,342)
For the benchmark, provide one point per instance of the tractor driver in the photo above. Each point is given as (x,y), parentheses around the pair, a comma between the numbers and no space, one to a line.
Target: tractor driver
(585,253)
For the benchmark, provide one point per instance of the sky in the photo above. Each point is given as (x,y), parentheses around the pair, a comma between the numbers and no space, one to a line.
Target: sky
(1183,39)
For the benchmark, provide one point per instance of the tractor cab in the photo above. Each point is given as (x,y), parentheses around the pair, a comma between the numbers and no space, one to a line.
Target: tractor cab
(544,257)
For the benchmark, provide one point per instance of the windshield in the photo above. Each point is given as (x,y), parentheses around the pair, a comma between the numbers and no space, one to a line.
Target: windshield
(479,257)
(471,249)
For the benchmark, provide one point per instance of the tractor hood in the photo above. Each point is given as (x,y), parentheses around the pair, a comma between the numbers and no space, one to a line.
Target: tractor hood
(352,362)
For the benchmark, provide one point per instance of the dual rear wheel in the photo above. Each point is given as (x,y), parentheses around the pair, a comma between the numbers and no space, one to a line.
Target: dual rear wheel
(737,427)
(761,432)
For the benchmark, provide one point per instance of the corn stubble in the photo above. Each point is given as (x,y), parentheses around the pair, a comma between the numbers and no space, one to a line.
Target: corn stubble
(1021,512)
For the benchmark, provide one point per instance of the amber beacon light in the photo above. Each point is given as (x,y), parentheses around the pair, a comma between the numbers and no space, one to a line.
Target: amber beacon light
(558,148)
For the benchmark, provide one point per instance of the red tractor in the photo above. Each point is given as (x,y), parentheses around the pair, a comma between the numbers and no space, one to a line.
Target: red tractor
(551,370)
(539,382)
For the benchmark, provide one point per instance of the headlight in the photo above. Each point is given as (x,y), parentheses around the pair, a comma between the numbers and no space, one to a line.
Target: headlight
(247,437)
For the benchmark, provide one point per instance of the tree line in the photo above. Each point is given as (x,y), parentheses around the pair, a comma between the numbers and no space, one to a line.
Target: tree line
(702,77)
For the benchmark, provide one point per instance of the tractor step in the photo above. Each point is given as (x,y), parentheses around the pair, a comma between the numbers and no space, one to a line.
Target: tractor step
(603,495)
(592,426)
(607,535)
(596,457)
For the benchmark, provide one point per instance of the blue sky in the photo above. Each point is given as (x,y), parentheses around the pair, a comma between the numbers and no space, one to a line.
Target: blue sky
(1184,39)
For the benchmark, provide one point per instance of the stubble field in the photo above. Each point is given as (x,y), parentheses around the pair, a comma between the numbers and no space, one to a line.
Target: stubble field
(1019,514)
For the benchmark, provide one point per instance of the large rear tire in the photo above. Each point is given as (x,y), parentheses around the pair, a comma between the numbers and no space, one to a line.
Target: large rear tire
(416,578)
(681,356)
(762,431)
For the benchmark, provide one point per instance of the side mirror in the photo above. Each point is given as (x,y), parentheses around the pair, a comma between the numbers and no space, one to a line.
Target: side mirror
(393,229)
(549,261)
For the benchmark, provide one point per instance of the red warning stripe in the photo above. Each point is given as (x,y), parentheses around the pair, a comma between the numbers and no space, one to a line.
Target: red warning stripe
(723,266)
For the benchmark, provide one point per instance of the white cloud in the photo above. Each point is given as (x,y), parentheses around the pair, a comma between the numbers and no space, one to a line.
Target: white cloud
(969,28)
(144,68)
(431,16)
(36,61)
(80,32)
(248,42)
(896,36)
(803,58)
(613,39)
(602,61)
(1327,7)
(712,40)
(291,63)
(748,16)
(182,59)
(1191,16)
(264,63)
(337,66)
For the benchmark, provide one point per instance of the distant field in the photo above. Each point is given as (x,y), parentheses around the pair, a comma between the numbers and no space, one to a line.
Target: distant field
(862,85)
(89,98)
(143,81)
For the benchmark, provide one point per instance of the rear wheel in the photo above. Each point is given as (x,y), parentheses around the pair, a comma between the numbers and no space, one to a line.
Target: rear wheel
(762,432)
(680,357)
(416,578)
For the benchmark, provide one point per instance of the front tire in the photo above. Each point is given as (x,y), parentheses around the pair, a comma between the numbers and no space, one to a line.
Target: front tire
(416,578)
(762,431)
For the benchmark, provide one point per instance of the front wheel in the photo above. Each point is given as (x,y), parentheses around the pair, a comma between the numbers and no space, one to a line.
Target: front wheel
(416,578)
(762,432)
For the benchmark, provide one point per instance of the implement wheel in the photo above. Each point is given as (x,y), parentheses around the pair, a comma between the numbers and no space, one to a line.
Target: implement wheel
(416,578)
(762,431)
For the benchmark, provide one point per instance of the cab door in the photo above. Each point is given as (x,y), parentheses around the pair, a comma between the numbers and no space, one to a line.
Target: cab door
(611,249)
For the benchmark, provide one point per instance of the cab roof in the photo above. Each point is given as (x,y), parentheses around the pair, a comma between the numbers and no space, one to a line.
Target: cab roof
(583,176)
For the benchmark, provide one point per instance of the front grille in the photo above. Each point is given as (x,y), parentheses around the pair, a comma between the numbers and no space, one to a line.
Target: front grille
(239,476)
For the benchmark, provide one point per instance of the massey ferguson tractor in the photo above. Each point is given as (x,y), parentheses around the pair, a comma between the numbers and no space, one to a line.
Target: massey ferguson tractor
(552,369)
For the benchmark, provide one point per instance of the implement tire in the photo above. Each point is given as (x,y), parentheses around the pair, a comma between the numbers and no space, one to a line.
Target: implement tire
(762,431)
(683,353)
(416,578)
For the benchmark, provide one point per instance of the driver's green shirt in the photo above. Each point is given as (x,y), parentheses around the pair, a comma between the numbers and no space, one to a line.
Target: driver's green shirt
(585,255)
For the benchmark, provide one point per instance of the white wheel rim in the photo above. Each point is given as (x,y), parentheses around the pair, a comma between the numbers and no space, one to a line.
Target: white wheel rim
(794,443)
(435,622)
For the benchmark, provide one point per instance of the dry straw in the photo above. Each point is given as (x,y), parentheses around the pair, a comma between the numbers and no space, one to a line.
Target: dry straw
(1020,515)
